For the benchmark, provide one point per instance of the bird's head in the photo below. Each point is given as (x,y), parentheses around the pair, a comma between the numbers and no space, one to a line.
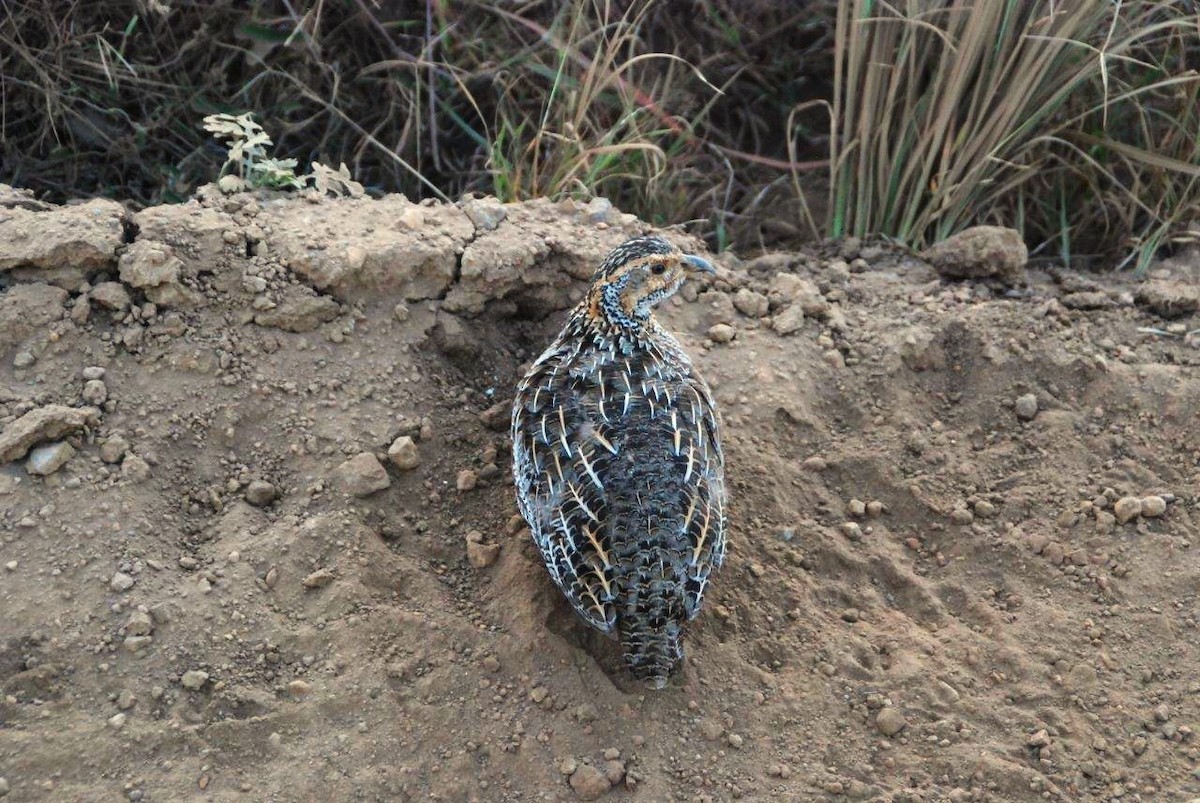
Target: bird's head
(637,275)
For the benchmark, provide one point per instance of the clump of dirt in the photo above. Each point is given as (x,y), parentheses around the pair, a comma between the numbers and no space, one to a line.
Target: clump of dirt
(258,538)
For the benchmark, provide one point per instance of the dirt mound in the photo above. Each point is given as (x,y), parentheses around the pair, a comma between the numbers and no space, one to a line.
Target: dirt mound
(259,540)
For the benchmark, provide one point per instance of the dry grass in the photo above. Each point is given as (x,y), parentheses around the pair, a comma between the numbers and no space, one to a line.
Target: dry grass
(676,117)
(1076,122)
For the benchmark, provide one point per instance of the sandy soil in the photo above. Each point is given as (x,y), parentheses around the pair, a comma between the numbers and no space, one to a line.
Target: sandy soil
(964,521)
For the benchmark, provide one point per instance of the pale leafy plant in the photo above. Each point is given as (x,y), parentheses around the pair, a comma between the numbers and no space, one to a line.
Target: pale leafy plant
(249,165)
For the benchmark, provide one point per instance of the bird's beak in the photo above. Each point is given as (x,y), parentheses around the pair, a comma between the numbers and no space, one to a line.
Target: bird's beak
(699,264)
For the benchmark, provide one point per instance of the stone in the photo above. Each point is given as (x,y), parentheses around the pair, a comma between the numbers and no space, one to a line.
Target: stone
(750,303)
(45,460)
(139,624)
(28,308)
(721,333)
(403,453)
(135,468)
(485,214)
(95,392)
(1026,407)
(980,252)
(260,493)
(1169,299)
(194,679)
(788,322)
(890,721)
(52,422)
(1153,506)
(361,475)
(318,579)
(121,582)
(82,237)
(154,268)
(299,310)
(1127,508)
(589,782)
(113,449)
(482,555)
(111,295)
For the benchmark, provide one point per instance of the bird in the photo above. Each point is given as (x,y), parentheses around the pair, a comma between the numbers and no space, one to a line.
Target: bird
(617,460)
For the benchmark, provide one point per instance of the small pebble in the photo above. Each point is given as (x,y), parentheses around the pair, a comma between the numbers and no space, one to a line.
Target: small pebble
(95,392)
(1153,506)
(721,333)
(47,459)
(299,688)
(361,475)
(466,480)
(117,721)
(890,721)
(1026,407)
(1127,508)
(403,453)
(194,679)
(260,493)
(961,516)
(120,582)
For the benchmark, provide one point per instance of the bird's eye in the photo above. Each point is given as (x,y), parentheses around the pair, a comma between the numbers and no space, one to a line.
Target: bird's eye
(658,269)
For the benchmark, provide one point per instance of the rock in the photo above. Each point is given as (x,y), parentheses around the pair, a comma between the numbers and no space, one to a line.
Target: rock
(361,475)
(788,322)
(589,782)
(1153,506)
(111,295)
(80,237)
(260,493)
(135,468)
(484,213)
(113,449)
(466,480)
(121,582)
(1026,407)
(194,679)
(154,268)
(126,700)
(363,248)
(750,303)
(44,460)
(1038,739)
(979,252)
(961,516)
(721,333)
(715,307)
(403,453)
(789,289)
(318,579)
(890,721)
(482,555)
(117,721)
(299,688)
(299,309)
(95,392)
(4,787)
(139,624)
(1127,508)
(26,309)
(1169,299)
(52,422)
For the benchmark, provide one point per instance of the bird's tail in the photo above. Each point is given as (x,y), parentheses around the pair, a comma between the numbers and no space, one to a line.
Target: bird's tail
(652,642)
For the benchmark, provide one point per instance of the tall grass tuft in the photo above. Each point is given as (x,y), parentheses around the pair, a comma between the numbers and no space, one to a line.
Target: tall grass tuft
(1076,122)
